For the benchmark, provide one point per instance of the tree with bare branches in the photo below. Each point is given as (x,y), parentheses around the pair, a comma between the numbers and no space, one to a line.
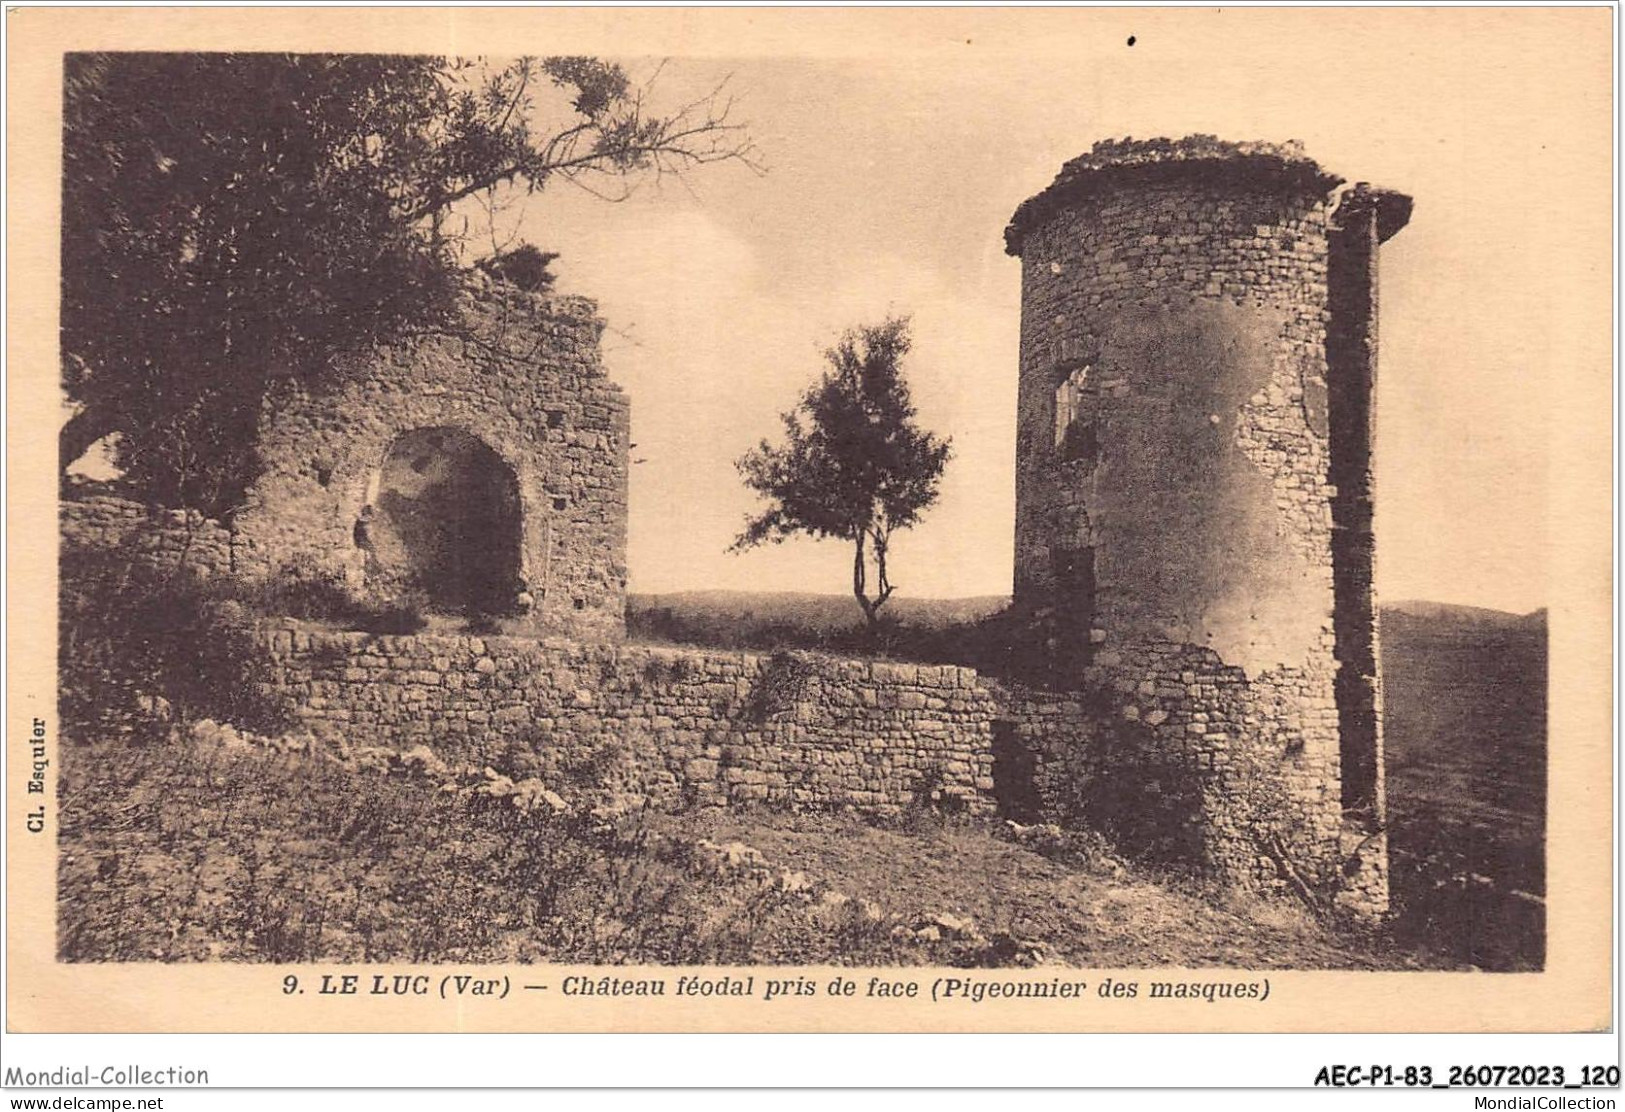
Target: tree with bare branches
(232,221)
(854,466)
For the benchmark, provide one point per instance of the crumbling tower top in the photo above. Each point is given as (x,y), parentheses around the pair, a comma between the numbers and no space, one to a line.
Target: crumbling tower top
(1275,167)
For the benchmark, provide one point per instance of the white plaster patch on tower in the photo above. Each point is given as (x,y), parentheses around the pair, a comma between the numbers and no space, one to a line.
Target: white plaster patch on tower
(1068,401)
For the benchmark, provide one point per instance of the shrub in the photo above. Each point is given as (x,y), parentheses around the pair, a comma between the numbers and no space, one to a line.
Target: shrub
(130,637)
(296,591)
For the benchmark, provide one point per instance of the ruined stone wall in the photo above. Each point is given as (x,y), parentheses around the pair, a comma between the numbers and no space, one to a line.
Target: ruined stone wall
(675,725)
(150,539)
(1174,533)
(521,375)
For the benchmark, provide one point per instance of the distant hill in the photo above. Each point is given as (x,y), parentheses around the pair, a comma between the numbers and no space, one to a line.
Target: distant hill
(816,612)
(1465,709)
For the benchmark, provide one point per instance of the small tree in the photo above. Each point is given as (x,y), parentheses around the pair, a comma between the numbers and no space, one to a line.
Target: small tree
(855,466)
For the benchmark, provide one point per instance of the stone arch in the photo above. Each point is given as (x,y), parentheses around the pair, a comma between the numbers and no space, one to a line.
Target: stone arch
(443,516)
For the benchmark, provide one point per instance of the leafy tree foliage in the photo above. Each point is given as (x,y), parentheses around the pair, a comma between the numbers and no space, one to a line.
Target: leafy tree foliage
(231,221)
(854,466)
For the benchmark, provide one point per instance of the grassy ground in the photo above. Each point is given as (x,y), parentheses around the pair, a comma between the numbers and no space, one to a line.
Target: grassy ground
(181,852)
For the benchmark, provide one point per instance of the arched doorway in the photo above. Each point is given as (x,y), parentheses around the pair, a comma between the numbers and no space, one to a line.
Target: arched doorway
(445,520)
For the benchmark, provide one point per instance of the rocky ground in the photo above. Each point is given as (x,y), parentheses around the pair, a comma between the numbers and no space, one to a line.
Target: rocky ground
(224,846)
(1464,725)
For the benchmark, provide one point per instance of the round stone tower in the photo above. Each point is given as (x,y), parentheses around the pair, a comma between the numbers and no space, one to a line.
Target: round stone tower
(1193,499)
(479,469)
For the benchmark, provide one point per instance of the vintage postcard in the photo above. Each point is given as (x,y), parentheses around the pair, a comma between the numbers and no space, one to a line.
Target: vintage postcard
(1084,519)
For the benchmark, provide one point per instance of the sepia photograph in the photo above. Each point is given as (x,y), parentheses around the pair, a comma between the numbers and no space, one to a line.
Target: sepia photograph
(657,521)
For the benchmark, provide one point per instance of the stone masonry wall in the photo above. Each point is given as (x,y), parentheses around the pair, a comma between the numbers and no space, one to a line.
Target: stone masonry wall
(152,539)
(675,725)
(1204,337)
(692,726)
(1364,218)
(522,375)
(1214,782)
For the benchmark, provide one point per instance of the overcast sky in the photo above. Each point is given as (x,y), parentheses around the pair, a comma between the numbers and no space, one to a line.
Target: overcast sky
(888,187)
